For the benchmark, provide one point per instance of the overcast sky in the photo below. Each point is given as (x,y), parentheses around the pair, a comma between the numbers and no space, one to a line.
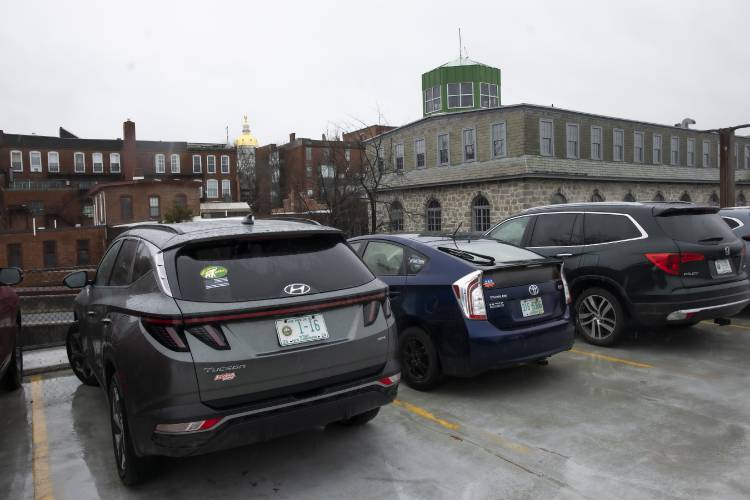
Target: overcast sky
(185,70)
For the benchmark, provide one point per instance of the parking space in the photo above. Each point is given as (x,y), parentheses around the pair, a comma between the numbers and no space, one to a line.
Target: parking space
(663,415)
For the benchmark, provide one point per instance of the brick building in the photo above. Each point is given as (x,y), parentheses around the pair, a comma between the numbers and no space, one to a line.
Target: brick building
(479,164)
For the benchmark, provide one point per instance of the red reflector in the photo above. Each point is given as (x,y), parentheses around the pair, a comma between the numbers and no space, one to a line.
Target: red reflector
(389,381)
(670,262)
(207,424)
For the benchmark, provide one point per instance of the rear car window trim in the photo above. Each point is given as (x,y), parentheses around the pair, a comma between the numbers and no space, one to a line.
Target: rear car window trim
(735,219)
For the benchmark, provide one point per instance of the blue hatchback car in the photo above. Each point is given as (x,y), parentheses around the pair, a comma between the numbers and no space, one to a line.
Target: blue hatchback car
(464,306)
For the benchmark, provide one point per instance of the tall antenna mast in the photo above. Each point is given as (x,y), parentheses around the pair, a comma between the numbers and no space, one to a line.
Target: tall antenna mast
(227,134)
(460,50)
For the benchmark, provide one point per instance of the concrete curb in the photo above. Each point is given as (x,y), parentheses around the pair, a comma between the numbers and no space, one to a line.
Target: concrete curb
(45,369)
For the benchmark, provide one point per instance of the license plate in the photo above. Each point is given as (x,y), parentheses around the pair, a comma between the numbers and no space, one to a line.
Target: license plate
(292,331)
(723,266)
(532,307)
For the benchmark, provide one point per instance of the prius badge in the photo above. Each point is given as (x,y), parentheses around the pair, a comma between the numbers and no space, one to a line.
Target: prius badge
(297,289)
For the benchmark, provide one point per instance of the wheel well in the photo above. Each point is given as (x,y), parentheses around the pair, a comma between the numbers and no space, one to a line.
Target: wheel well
(109,369)
(593,281)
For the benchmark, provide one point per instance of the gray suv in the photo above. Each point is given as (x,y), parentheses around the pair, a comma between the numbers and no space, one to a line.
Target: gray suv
(213,334)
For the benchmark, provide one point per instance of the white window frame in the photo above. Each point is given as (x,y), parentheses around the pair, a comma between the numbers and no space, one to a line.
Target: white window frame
(551,138)
(53,166)
(209,184)
(673,150)
(747,155)
(94,168)
(157,206)
(416,153)
(489,95)
(600,155)
(308,153)
(706,153)
(226,187)
(448,142)
(464,144)
(503,139)
(348,154)
(398,154)
(459,95)
(639,158)
(160,163)
(20,158)
(654,149)
(83,162)
(174,163)
(433,104)
(200,164)
(225,163)
(114,159)
(38,155)
(210,159)
(690,145)
(575,140)
(615,133)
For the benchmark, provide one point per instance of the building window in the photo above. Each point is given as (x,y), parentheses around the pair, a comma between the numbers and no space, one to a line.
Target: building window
(571,137)
(399,153)
(79,163)
(432,99)
(309,192)
(713,199)
(174,163)
(629,197)
(674,151)
(470,153)
(53,161)
(397,216)
(308,154)
(596,143)
(657,148)
(83,258)
(691,152)
(596,197)
(87,210)
(308,171)
(658,196)
(160,164)
(498,140)
(15,258)
(348,154)
(741,200)
(706,154)
(685,196)
(443,149)
(419,153)
(434,216)
(180,200)
(114,163)
(212,188)
(226,189)
(35,161)
(50,253)
(97,163)
(488,95)
(461,95)
(224,164)
(618,144)
(638,147)
(16,161)
(210,164)
(480,214)
(546,144)
(558,199)
(197,164)
(126,208)
(747,156)
(153,207)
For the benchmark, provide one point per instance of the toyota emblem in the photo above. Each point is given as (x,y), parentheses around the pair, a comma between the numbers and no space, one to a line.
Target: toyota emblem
(533,290)
(296,289)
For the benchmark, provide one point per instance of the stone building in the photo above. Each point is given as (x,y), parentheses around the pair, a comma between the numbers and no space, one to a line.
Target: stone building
(478,165)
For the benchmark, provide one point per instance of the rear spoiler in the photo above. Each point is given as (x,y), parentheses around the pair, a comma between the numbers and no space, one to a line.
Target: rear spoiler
(666,211)
(522,263)
(191,239)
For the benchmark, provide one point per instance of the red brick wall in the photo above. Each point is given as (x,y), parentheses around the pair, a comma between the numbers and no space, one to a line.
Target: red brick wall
(166,191)
(64,206)
(32,247)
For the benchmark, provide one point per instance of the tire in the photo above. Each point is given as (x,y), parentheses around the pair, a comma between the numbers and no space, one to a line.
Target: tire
(14,375)
(420,365)
(600,318)
(361,419)
(77,359)
(130,467)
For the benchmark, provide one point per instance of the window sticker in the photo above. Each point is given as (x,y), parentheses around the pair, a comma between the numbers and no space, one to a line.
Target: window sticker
(214,277)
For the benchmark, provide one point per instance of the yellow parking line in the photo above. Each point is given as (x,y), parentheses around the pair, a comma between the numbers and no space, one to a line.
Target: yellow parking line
(612,358)
(426,414)
(42,482)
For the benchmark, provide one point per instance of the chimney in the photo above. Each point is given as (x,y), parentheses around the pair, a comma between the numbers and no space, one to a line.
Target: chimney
(292,136)
(129,153)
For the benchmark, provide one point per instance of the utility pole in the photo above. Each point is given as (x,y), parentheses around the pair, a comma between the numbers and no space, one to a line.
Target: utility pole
(727,164)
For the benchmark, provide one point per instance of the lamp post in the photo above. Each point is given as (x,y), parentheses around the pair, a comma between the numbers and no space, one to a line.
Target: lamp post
(727,164)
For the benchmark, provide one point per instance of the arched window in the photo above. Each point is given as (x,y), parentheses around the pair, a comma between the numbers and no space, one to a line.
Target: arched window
(713,199)
(595,196)
(480,214)
(396,214)
(658,196)
(741,201)
(558,199)
(434,216)
(685,196)
(629,197)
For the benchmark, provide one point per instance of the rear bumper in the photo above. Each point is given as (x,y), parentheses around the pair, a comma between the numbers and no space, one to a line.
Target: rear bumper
(261,423)
(693,304)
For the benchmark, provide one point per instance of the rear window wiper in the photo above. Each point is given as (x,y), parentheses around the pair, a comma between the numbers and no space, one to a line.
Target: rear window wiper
(714,238)
(470,256)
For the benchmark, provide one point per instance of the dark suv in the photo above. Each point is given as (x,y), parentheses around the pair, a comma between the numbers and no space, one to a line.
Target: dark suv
(208,335)
(654,263)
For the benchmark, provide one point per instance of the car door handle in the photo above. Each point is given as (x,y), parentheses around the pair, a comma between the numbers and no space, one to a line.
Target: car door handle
(91,314)
(560,255)
(106,321)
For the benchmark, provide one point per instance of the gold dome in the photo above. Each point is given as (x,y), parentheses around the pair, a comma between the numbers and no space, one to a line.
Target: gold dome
(246,139)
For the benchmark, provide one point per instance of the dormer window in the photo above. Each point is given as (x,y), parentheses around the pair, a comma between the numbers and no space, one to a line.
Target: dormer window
(432,99)
(461,95)
(489,95)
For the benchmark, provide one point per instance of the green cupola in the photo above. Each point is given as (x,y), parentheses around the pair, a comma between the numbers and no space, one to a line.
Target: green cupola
(460,85)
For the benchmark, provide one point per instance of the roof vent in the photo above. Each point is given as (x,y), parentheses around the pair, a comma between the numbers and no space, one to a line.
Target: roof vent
(249,220)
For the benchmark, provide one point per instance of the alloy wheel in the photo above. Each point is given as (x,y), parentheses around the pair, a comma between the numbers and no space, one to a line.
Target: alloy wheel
(596,317)
(118,428)
(19,354)
(416,359)
(77,358)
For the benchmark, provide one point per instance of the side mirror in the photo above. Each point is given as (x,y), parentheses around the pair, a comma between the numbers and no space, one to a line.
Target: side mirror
(78,279)
(10,276)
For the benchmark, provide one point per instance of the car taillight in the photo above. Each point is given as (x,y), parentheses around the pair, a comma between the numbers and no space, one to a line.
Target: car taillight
(198,425)
(470,296)
(371,311)
(566,289)
(167,333)
(210,335)
(670,262)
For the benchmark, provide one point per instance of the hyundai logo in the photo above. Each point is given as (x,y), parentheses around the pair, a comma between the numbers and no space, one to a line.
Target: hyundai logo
(296,289)
(533,290)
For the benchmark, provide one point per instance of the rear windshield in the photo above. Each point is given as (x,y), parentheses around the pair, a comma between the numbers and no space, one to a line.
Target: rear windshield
(241,270)
(696,228)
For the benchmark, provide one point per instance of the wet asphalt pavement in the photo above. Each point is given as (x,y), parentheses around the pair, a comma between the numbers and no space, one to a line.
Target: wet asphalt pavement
(665,415)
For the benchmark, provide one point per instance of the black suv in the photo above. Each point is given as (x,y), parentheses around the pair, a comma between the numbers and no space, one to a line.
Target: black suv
(212,334)
(654,263)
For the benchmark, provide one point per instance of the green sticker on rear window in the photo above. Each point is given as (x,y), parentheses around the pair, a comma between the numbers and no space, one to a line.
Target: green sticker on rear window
(213,272)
